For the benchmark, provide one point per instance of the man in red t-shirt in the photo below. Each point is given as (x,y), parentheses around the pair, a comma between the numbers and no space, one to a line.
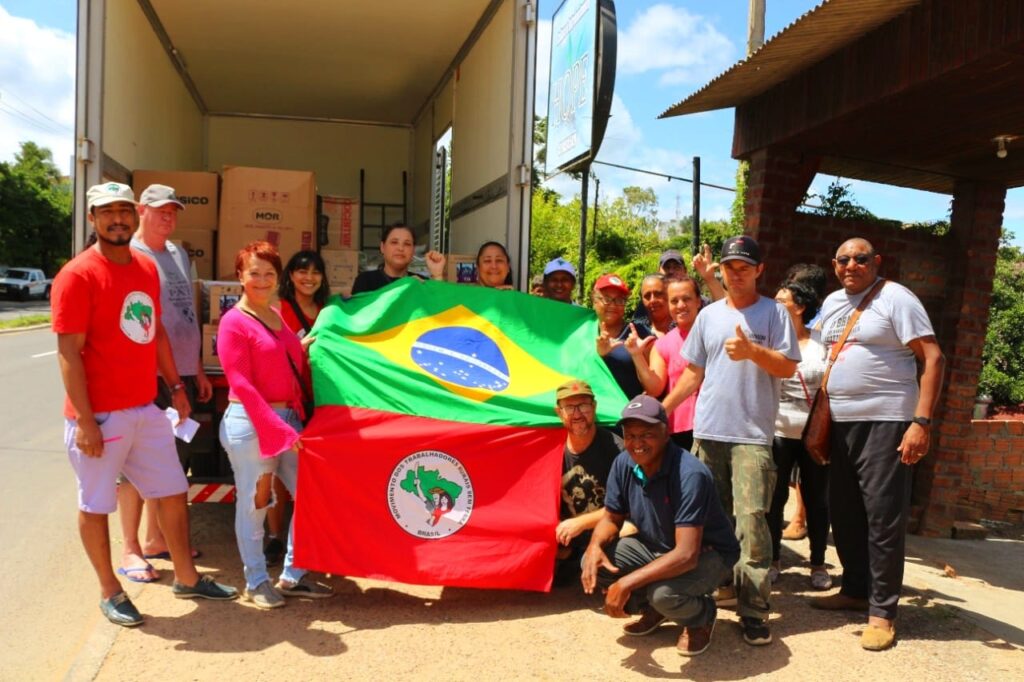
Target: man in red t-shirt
(106,313)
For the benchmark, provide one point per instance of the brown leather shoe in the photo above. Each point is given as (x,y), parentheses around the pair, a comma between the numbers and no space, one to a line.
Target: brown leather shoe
(875,638)
(694,641)
(838,602)
(648,622)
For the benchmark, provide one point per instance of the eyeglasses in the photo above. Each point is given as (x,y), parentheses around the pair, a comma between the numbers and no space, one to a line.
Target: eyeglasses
(581,408)
(859,259)
(611,301)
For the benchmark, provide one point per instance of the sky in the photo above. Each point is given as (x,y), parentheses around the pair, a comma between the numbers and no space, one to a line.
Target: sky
(666,51)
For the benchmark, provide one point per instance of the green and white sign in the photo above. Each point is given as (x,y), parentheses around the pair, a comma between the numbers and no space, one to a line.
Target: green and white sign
(571,89)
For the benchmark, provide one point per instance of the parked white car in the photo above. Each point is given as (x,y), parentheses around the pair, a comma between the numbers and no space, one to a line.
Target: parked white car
(24,283)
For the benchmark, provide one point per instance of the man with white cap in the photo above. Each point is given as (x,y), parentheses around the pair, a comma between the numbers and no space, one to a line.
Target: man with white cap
(158,217)
(684,545)
(739,350)
(110,344)
(559,280)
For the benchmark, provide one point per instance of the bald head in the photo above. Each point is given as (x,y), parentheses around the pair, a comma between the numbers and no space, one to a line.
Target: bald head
(862,245)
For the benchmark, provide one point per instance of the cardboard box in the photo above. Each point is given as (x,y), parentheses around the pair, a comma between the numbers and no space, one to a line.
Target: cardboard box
(460,268)
(199,244)
(342,269)
(342,222)
(278,206)
(223,298)
(210,358)
(197,190)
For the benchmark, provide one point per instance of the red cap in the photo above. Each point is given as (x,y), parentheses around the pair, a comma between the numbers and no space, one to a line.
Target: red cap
(611,282)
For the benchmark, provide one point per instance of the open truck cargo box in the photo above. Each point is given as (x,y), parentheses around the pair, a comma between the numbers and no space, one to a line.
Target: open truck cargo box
(319,85)
(357,91)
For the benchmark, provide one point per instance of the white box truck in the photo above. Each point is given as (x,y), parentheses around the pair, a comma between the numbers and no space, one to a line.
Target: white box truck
(358,91)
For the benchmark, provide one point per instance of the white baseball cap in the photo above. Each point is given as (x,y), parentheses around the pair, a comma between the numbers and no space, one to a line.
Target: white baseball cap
(109,193)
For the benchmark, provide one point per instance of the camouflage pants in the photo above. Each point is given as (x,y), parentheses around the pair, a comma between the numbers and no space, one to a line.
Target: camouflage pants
(745,480)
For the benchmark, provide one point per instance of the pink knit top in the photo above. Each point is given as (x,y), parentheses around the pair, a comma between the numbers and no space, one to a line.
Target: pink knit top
(258,374)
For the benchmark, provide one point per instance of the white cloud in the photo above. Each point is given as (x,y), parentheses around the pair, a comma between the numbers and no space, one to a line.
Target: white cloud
(37,88)
(686,48)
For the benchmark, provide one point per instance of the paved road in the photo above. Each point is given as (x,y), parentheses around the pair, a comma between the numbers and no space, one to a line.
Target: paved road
(10,310)
(48,592)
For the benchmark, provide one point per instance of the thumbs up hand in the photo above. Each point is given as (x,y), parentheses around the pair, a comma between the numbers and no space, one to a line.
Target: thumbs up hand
(739,347)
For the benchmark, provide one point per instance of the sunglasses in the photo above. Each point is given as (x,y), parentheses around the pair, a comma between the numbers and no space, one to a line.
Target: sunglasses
(859,259)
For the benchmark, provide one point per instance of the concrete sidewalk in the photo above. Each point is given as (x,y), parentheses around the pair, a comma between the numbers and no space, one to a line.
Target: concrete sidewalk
(985,584)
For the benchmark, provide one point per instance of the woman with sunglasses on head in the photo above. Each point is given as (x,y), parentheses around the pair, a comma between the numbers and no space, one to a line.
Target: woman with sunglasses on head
(661,370)
(788,451)
(397,246)
(265,366)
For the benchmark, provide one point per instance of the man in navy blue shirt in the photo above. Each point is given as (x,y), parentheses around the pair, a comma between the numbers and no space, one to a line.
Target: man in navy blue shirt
(684,547)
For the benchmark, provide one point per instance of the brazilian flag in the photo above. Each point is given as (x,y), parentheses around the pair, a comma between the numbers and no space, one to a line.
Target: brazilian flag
(435,453)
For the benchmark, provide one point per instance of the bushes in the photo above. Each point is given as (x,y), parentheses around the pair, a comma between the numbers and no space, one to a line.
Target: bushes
(1002,374)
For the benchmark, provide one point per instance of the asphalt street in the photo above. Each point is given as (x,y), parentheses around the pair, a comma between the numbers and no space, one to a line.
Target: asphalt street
(10,310)
(49,593)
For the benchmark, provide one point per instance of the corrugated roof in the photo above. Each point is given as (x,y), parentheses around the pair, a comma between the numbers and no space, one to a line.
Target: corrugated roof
(825,29)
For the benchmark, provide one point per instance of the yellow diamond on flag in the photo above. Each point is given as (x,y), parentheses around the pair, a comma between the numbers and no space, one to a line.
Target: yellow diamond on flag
(465,353)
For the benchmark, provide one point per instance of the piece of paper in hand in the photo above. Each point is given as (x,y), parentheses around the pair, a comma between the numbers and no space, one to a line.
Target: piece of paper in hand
(187,430)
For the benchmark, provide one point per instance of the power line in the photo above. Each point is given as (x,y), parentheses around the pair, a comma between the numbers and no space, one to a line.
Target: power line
(667,176)
(29,105)
(14,113)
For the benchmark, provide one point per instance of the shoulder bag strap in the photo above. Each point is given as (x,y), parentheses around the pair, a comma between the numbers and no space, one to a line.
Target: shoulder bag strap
(306,393)
(838,346)
(299,314)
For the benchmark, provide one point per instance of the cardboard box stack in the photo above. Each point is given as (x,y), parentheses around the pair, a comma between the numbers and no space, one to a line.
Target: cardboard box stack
(341,252)
(197,223)
(278,206)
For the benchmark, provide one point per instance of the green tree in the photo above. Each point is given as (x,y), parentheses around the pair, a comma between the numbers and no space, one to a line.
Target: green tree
(1002,373)
(838,202)
(35,211)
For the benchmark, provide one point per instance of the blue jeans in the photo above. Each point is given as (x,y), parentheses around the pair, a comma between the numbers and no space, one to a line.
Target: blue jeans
(238,437)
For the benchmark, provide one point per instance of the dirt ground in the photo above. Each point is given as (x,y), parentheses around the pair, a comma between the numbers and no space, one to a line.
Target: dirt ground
(381,631)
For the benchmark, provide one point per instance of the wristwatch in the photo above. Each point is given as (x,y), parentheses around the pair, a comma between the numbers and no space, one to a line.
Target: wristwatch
(177,387)
(923,421)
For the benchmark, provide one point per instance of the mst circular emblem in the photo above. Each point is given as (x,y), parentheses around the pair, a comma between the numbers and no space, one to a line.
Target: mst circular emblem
(137,317)
(430,495)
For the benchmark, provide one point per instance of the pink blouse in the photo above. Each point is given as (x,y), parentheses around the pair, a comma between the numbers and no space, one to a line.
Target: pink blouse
(669,346)
(258,374)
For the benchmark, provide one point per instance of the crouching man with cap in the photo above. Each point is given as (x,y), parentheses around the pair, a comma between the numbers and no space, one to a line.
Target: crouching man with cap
(684,547)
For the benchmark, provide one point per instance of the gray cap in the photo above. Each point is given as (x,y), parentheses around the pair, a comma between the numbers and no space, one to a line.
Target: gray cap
(671,254)
(159,195)
(108,193)
(646,409)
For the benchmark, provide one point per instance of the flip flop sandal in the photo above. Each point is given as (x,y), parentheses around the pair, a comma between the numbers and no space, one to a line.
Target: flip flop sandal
(167,555)
(128,573)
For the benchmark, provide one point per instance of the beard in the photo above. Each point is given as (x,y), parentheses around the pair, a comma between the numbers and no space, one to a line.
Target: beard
(121,240)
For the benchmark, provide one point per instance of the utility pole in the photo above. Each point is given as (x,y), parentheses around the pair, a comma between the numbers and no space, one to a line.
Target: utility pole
(597,201)
(582,268)
(755,26)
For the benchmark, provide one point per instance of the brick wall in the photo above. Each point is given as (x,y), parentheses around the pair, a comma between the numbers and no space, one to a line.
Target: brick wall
(995,465)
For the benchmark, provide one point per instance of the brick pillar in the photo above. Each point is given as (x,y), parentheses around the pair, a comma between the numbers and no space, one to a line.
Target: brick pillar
(777,183)
(943,480)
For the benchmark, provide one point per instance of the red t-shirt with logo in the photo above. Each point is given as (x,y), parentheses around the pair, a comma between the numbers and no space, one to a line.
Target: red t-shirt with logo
(117,308)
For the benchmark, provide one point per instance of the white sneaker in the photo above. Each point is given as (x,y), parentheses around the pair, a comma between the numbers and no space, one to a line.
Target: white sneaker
(820,579)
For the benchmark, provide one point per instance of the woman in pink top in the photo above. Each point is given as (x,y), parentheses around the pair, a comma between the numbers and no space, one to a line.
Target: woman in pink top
(667,363)
(264,364)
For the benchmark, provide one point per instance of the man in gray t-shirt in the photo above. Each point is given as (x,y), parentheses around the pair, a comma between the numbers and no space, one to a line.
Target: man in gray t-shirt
(738,351)
(158,217)
(881,424)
